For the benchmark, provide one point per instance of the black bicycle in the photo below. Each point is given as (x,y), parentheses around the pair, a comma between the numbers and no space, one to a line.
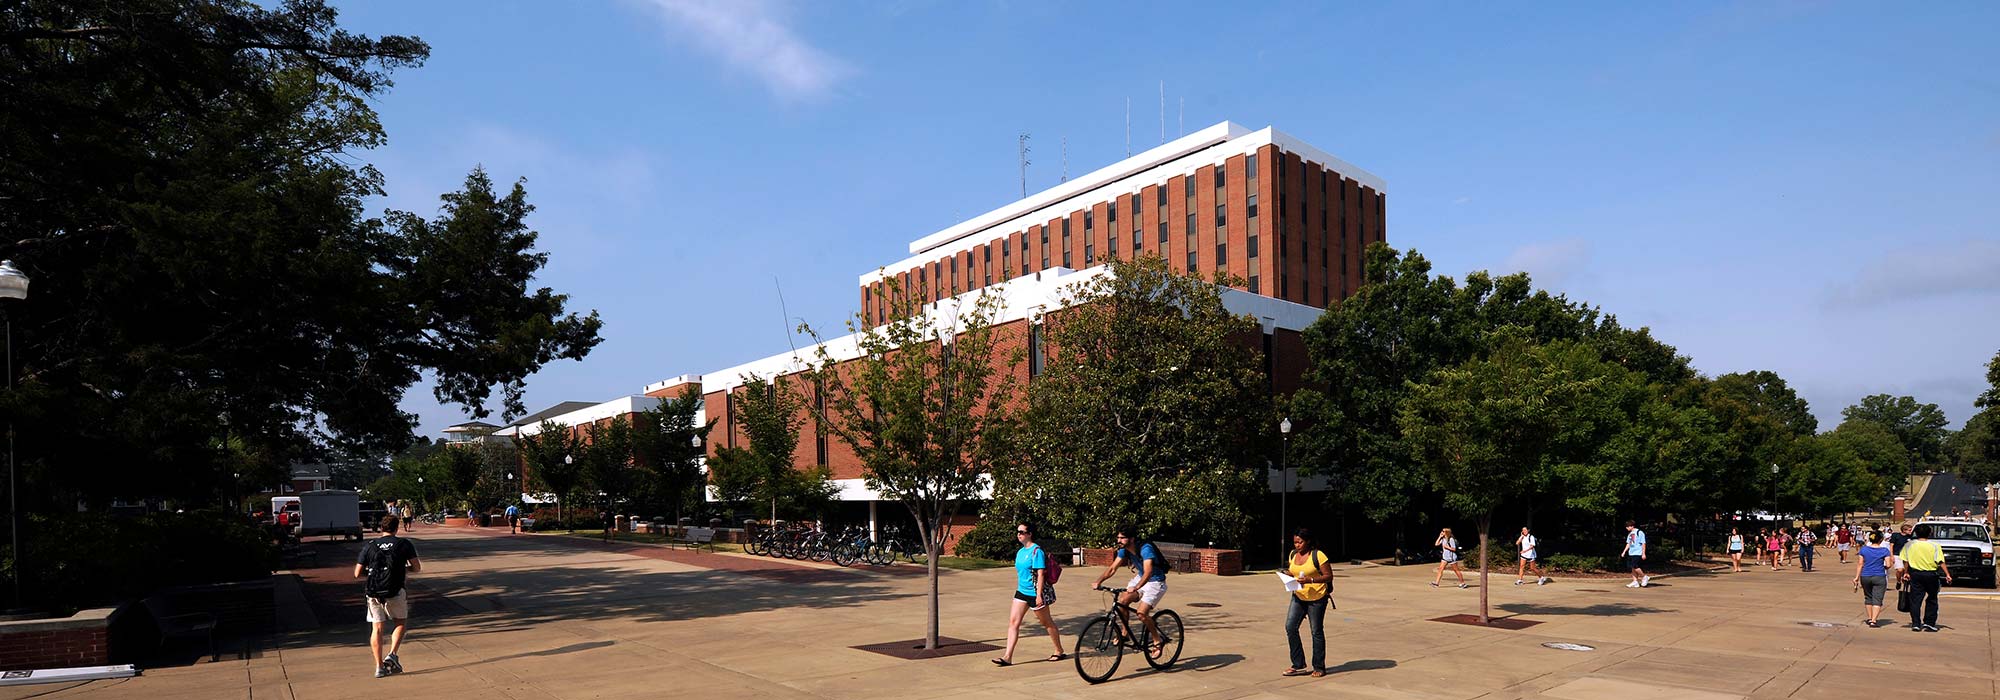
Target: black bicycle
(1101,646)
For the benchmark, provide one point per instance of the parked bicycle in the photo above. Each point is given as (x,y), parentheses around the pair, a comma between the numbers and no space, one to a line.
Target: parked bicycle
(1101,646)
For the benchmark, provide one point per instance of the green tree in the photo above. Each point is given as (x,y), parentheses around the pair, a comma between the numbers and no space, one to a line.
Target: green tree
(1920,427)
(764,473)
(551,459)
(923,406)
(1767,392)
(1483,428)
(184,181)
(1149,388)
(608,464)
(1829,473)
(1973,452)
(667,440)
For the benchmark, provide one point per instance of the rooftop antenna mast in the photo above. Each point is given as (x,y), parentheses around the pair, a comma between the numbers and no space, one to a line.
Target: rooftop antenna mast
(1065,159)
(1022,141)
(1128,127)
(1163,111)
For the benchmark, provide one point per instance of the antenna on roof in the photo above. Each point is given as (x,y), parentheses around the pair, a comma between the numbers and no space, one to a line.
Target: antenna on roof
(1163,111)
(1022,141)
(1065,159)
(788,317)
(1128,127)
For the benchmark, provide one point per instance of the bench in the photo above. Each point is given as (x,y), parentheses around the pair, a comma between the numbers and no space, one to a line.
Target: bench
(1182,556)
(696,537)
(173,624)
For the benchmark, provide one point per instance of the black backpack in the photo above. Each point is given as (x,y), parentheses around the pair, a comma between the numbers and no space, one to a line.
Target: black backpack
(385,568)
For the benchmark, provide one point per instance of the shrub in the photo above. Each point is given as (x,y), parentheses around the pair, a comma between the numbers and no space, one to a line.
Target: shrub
(84,560)
(1582,562)
(991,538)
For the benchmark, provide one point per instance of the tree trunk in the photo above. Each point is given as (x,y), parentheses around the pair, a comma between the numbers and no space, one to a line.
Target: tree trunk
(1485,520)
(933,543)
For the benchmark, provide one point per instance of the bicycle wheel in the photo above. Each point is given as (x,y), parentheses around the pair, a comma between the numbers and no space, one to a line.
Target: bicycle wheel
(754,547)
(844,555)
(873,556)
(918,555)
(1098,651)
(820,552)
(1172,635)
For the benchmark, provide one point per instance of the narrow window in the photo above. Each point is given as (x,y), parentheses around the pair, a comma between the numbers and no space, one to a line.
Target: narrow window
(1188,184)
(1221,216)
(1163,233)
(1250,167)
(1191,260)
(1219,177)
(1252,247)
(1113,214)
(1252,209)
(729,410)
(1253,284)
(1221,254)
(1034,351)
(1160,193)
(819,426)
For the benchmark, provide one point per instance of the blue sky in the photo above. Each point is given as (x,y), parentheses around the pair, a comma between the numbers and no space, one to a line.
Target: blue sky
(1810,188)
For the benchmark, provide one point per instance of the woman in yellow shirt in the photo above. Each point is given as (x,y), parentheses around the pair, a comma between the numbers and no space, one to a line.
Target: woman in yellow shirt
(1309,602)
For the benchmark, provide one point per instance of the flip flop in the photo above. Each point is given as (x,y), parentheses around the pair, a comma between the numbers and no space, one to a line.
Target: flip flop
(1002,662)
(1057,657)
(1297,672)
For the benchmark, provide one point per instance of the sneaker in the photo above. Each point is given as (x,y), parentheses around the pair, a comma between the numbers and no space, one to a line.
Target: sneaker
(1930,628)
(394,664)
(1543,582)
(381,670)
(1518,582)
(1434,584)
(1916,628)
(1645,581)
(1463,586)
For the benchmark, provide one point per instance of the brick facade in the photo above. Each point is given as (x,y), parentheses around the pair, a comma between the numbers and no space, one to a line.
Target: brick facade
(80,640)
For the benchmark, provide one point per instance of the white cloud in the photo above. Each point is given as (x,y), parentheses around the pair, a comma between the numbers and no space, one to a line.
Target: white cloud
(1551,263)
(1969,267)
(753,35)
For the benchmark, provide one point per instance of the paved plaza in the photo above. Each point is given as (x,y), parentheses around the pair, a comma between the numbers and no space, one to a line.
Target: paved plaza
(534,617)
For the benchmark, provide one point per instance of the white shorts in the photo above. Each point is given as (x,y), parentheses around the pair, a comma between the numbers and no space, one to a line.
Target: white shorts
(390,610)
(1842,546)
(1150,592)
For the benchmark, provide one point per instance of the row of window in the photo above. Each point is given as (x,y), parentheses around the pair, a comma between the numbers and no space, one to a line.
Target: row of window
(1330,188)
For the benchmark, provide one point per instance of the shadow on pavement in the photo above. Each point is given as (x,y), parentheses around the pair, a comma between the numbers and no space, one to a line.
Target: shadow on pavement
(1599,610)
(1361,665)
(558,651)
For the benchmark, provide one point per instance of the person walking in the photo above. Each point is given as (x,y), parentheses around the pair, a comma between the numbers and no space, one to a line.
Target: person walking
(1735,551)
(409,515)
(1033,590)
(1447,557)
(1902,537)
(386,562)
(1530,559)
(1635,555)
(1923,562)
(1806,540)
(1308,603)
(1843,539)
(513,514)
(1774,548)
(1871,576)
(1790,545)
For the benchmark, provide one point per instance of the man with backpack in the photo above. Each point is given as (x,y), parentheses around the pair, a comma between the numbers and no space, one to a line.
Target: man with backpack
(384,563)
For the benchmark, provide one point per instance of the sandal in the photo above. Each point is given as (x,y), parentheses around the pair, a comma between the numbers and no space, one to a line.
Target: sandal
(1002,662)
(1057,657)
(1317,673)
(1296,672)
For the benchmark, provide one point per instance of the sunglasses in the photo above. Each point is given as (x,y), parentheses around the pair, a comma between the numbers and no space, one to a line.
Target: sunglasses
(1020,532)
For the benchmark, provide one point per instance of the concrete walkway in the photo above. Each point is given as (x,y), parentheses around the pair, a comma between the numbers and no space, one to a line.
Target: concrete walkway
(544,617)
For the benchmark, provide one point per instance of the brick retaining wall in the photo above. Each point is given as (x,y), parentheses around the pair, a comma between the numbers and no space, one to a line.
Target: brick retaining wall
(82,639)
(1222,562)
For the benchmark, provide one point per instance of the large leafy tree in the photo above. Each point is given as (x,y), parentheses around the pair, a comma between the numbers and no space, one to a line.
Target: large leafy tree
(1149,388)
(1483,428)
(770,414)
(609,463)
(1768,394)
(551,458)
(923,407)
(1919,427)
(1974,451)
(667,442)
(183,180)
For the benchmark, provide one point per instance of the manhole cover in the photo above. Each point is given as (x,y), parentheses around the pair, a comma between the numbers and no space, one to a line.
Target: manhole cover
(1204,605)
(1566,646)
(1824,625)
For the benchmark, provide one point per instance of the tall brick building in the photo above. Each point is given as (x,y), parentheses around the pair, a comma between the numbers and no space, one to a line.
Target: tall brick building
(1286,219)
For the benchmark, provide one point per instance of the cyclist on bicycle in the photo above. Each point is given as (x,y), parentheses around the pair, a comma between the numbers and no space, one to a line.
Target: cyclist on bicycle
(1149,578)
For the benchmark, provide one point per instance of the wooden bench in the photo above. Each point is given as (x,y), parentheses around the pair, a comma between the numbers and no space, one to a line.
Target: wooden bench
(696,537)
(1182,556)
(174,624)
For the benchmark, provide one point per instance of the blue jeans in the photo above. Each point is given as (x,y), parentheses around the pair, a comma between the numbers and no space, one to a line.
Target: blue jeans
(1806,556)
(1316,611)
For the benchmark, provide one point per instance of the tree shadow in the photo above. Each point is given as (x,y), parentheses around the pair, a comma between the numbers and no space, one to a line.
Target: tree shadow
(1196,664)
(558,651)
(1598,610)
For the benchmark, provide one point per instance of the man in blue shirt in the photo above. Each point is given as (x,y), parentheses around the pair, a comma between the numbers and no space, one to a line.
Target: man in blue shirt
(1148,584)
(1635,555)
(513,516)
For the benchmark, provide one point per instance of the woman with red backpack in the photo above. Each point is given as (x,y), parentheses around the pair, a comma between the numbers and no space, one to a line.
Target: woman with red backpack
(1035,575)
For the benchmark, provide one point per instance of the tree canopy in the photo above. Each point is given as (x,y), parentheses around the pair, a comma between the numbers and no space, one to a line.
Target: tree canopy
(1919,427)
(184,181)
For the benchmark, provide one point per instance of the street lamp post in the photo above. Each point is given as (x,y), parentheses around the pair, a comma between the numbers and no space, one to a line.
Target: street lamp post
(1774,493)
(512,527)
(1284,485)
(13,285)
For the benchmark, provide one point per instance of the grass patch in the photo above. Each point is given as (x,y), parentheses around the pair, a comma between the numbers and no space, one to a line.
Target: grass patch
(971,563)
